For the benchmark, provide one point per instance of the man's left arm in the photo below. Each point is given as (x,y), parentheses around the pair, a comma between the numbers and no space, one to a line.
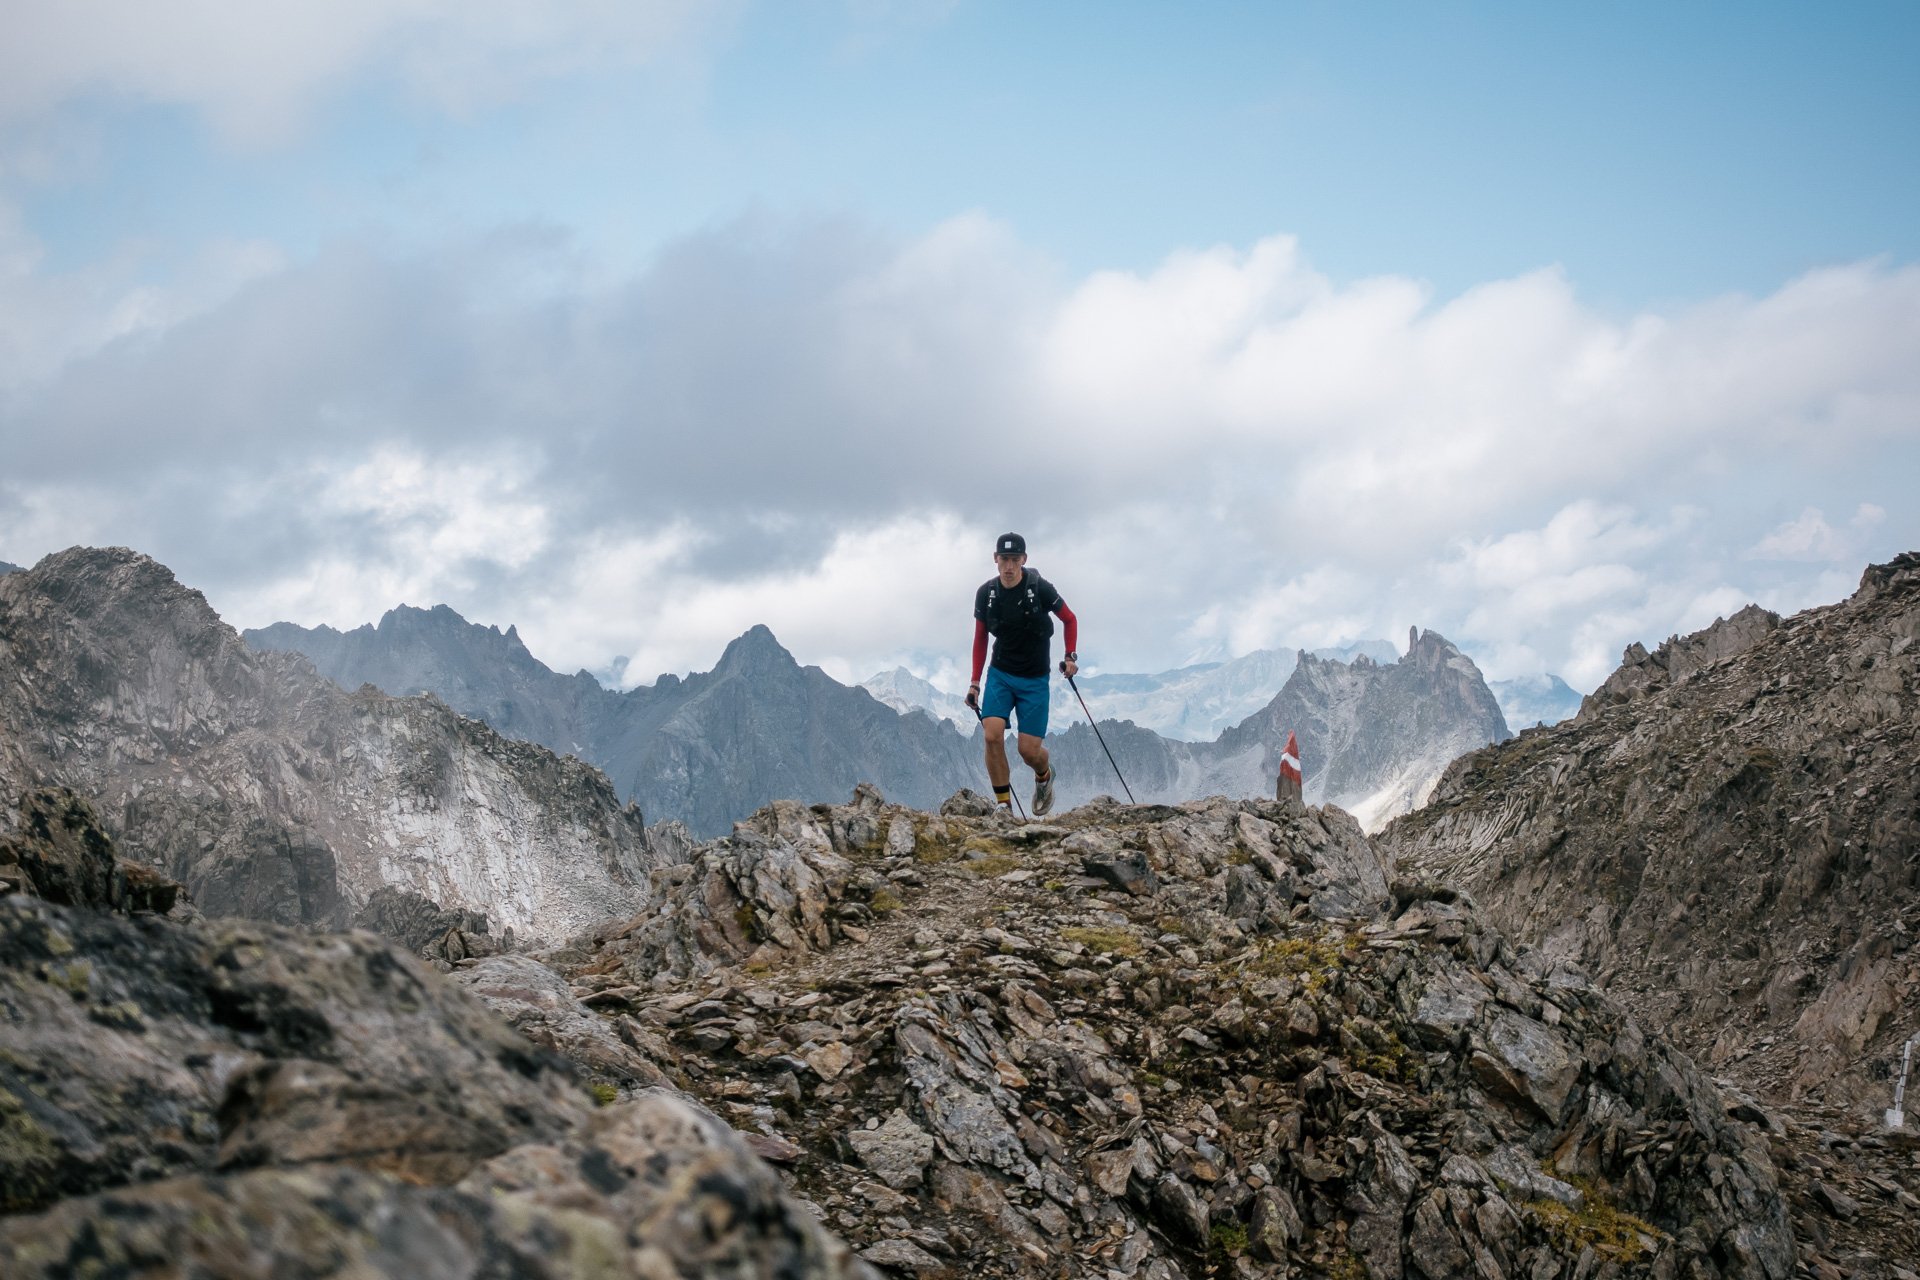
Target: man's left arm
(1071,625)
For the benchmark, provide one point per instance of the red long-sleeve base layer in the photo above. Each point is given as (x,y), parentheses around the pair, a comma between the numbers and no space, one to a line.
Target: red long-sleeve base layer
(1071,623)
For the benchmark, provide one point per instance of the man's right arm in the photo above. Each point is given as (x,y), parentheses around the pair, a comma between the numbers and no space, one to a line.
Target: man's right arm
(979,661)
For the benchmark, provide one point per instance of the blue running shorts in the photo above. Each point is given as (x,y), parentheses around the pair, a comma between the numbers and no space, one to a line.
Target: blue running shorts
(1025,694)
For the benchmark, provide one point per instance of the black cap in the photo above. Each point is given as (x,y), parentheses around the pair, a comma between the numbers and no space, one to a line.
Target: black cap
(1010,544)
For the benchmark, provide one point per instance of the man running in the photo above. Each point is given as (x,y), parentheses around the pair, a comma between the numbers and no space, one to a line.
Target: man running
(1013,608)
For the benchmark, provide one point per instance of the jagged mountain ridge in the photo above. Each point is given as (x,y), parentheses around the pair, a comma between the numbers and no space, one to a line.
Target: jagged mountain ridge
(488,674)
(1730,833)
(272,792)
(713,747)
(1198,703)
(1384,731)
(706,750)
(6,568)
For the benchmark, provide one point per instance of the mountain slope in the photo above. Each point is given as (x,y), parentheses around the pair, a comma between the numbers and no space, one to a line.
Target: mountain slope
(1730,832)
(269,790)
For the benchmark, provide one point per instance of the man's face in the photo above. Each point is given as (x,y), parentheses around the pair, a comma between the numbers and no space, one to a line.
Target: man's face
(1009,566)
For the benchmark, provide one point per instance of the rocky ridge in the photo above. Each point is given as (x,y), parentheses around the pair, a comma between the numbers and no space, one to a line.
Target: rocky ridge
(271,792)
(1169,1041)
(57,851)
(1729,834)
(1144,1041)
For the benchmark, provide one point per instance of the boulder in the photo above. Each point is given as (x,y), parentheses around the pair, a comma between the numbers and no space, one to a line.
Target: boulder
(58,851)
(138,1050)
(898,1152)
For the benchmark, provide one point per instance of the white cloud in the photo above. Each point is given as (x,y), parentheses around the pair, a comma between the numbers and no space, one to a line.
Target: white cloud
(814,426)
(393,527)
(255,70)
(842,610)
(1809,538)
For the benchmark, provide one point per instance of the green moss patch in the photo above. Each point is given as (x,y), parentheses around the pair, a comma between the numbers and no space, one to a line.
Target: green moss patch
(1106,942)
(1227,1240)
(1614,1234)
(1311,961)
(994,864)
(743,916)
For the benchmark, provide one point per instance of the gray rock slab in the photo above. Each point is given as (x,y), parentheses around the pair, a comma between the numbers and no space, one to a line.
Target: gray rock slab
(898,1152)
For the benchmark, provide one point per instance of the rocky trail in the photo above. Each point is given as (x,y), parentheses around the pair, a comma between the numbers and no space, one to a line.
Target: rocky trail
(1852,1188)
(1205,1040)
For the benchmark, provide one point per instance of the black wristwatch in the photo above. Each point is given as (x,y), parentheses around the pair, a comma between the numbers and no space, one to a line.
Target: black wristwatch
(1073,657)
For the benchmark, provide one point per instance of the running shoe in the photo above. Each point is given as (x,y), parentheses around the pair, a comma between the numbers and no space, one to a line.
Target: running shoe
(1043,795)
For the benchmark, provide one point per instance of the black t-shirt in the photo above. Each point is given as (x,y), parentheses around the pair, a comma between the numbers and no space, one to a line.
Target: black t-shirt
(1020,621)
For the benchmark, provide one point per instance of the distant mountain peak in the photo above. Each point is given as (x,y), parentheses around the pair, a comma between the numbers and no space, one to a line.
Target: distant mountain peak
(412,615)
(442,620)
(104,581)
(755,649)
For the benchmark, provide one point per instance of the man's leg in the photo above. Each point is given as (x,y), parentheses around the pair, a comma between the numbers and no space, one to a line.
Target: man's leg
(996,707)
(997,771)
(1032,710)
(1034,751)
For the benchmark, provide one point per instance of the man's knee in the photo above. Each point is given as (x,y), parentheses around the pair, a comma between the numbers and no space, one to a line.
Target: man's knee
(996,731)
(1032,750)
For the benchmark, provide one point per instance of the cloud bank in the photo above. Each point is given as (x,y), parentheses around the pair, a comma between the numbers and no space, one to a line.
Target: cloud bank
(812,424)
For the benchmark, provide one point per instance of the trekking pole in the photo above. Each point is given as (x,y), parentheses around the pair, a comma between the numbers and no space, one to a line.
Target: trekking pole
(1103,741)
(1015,794)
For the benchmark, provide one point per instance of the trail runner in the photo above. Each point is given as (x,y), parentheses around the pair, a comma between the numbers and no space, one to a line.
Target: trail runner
(1014,607)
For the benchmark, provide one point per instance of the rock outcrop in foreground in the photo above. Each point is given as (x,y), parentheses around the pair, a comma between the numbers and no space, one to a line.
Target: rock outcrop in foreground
(272,793)
(1729,834)
(233,1099)
(1139,1042)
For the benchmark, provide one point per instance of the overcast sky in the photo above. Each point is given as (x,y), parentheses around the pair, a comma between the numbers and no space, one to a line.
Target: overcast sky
(635,324)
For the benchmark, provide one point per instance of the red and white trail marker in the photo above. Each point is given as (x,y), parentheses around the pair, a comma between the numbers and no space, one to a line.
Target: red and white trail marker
(1288,786)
